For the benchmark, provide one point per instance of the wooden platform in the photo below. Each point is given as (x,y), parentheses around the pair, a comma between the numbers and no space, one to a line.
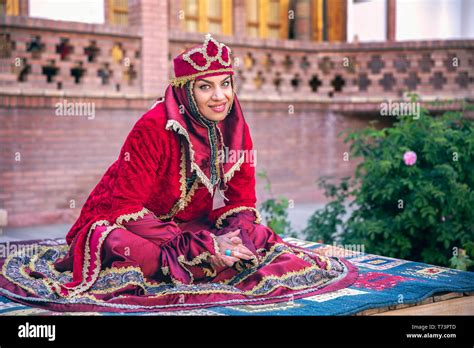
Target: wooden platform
(452,303)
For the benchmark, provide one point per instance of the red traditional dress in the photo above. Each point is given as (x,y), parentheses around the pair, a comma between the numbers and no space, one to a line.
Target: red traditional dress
(146,232)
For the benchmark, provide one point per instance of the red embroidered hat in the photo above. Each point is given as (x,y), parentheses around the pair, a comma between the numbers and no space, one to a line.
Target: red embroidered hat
(211,58)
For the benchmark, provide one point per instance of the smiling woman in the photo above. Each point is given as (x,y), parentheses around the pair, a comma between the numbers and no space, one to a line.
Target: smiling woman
(149,237)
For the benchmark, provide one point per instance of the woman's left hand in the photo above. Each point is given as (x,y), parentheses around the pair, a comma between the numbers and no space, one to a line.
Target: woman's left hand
(238,250)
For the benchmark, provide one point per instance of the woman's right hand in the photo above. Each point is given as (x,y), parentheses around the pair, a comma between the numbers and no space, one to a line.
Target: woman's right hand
(232,242)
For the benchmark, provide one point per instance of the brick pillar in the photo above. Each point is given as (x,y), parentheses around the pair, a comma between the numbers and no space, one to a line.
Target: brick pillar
(24,8)
(240,24)
(302,21)
(391,20)
(151,16)
(175,21)
(107,12)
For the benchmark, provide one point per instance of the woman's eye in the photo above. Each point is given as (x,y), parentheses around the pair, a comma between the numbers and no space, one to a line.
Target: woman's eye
(226,84)
(203,87)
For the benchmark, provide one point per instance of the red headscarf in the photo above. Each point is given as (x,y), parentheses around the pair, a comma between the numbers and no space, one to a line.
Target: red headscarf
(209,142)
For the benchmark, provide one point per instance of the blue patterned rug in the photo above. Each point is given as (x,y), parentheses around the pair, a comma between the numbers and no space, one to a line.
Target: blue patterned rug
(382,282)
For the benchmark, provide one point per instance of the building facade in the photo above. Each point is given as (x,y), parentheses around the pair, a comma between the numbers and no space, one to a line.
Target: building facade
(73,80)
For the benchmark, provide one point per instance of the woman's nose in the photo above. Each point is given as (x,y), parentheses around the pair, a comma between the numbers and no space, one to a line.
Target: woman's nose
(218,94)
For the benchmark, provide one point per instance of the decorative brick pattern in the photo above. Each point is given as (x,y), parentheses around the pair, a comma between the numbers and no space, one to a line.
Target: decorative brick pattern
(298,70)
(73,58)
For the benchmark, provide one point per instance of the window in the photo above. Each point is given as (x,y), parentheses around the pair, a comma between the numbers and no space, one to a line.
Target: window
(252,15)
(329,20)
(267,18)
(191,11)
(9,7)
(273,22)
(214,16)
(118,12)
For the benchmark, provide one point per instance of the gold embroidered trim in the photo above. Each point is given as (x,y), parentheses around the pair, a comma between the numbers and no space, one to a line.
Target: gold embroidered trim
(194,262)
(217,249)
(230,174)
(241,265)
(283,277)
(184,198)
(42,250)
(87,251)
(177,127)
(23,273)
(263,260)
(230,291)
(199,259)
(225,215)
(251,292)
(210,272)
(85,284)
(182,80)
(133,216)
(203,50)
(115,270)
(105,272)
(258,286)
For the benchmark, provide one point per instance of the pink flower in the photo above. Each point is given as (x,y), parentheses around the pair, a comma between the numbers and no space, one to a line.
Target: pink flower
(409,158)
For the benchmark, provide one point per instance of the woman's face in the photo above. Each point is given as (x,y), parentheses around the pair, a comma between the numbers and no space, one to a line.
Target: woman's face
(214,96)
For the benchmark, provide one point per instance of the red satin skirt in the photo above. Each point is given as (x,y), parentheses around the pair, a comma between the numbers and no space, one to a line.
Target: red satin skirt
(148,267)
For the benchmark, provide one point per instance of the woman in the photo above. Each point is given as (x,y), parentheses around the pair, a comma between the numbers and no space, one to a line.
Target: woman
(149,237)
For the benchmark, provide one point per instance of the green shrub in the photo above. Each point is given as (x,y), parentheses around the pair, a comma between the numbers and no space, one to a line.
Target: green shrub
(275,210)
(323,224)
(422,212)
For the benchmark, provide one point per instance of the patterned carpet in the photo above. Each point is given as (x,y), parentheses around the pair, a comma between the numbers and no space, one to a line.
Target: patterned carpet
(382,282)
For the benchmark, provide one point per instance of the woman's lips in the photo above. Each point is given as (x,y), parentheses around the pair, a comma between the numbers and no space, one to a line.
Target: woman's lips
(218,108)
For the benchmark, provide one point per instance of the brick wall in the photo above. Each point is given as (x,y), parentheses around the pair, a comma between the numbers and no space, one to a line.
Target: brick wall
(105,59)
(50,163)
(63,157)
(296,149)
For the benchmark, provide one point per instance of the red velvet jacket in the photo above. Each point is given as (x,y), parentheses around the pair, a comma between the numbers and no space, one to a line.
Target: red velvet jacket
(149,175)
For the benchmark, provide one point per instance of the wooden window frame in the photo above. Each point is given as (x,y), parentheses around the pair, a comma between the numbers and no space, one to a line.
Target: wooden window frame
(321,31)
(253,24)
(203,19)
(12,7)
(113,10)
(264,23)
